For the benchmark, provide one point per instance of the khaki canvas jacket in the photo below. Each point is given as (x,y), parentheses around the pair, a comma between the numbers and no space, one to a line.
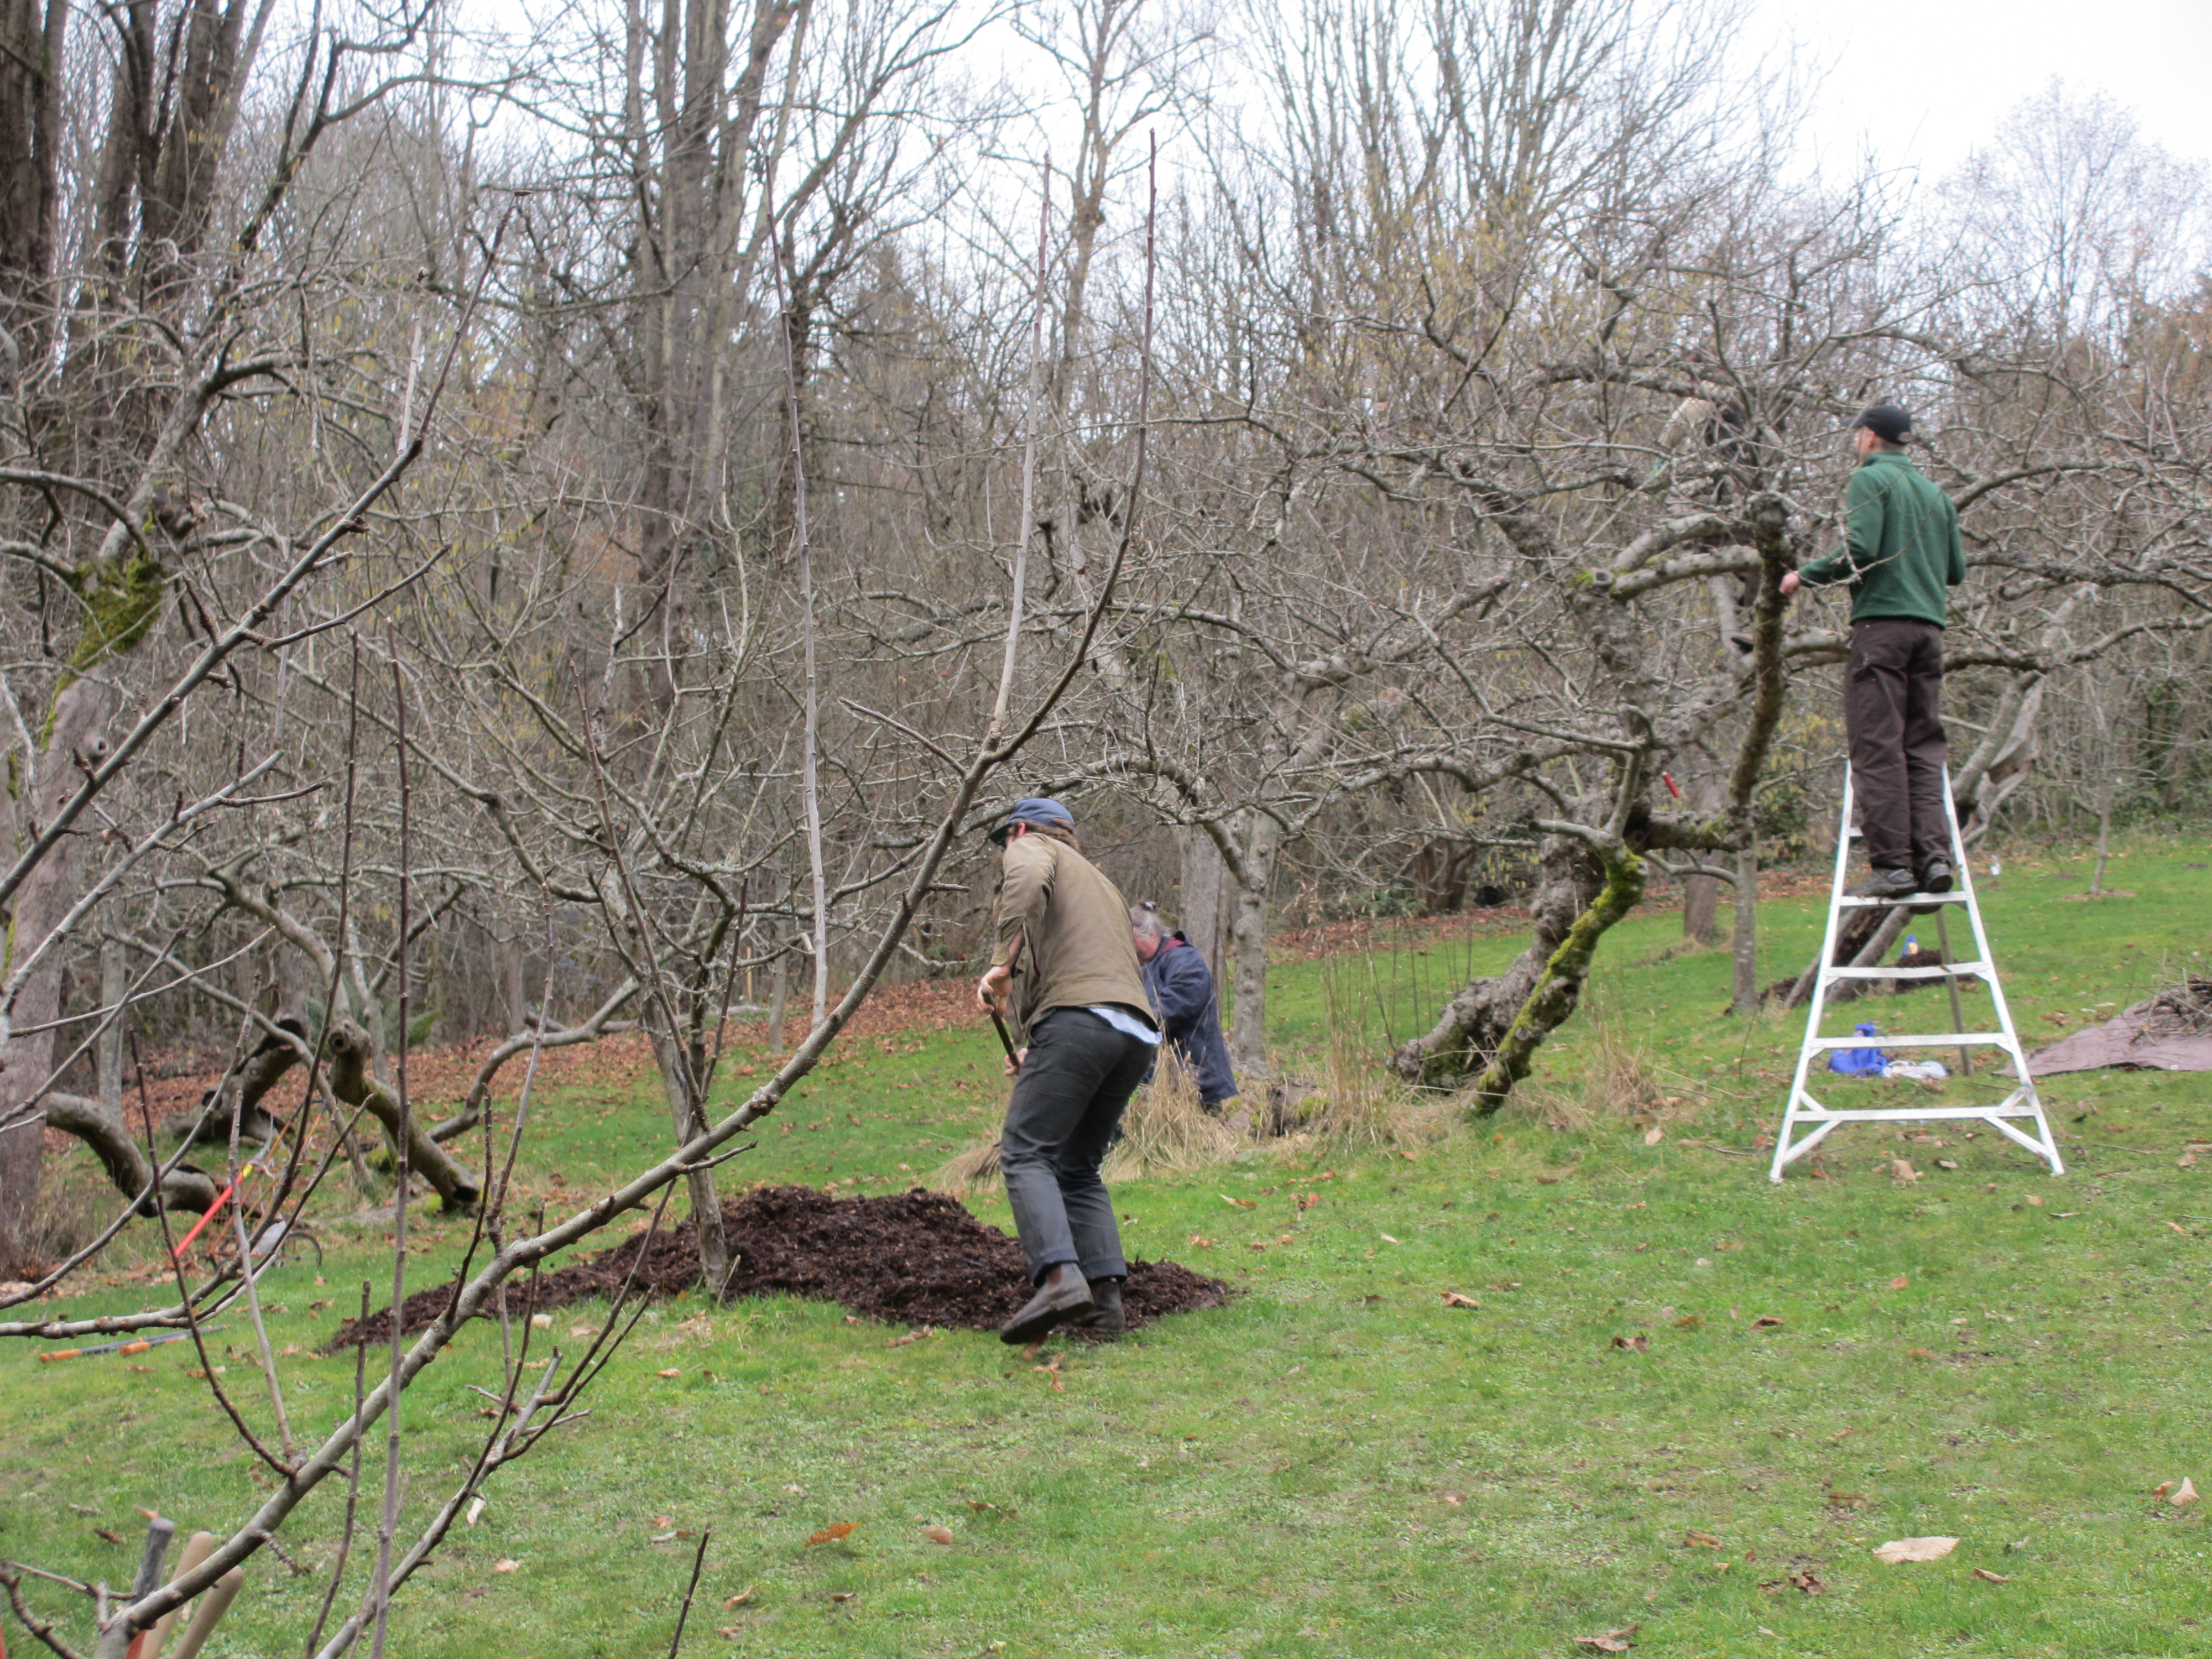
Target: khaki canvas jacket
(1077,925)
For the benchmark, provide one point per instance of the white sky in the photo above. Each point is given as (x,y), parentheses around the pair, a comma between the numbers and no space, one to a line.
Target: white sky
(1918,83)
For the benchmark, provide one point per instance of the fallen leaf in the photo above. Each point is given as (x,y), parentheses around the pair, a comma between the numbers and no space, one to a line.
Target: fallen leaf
(1689,1322)
(541,1321)
(2184,1161)
(1765,1322)
(583,1330)
(1901,1170)
(1386,1238)
(505,1564)
(1654,1135)
(979,1506)
(1900,1282)
(729,1632)
(1241,1203)
(1921,1353)
(2161,1489)
(2178,1228)
(2034,1199)
(662,1538)
(1639,1343)
(1989,1578)
(833,1532)
(939,1535)
(1915,1549)
(842,1595)
(911,1336)
(742,1596)
(671,1371)
(1807,1581)
(1613,1641)
(1946,1163)
(1847,1500)
(1699,1540)
(2183,1494)
(1454,1299)
(112,1537)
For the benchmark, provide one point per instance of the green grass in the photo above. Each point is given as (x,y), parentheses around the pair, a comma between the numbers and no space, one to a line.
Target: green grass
(1340,1463)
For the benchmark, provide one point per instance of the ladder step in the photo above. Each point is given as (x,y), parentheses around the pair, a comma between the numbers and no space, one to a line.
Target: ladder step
(1960,969)
(2014,1108)
(1847,903)
(1946,1040)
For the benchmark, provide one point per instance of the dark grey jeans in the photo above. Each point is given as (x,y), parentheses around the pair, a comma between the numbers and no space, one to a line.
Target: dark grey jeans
(1068,1102)
(1892,710)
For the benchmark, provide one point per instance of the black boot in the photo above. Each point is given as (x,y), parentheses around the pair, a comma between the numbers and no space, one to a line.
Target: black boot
(1109,1318)
(1886,883)
(1935,878)
(1063,1293)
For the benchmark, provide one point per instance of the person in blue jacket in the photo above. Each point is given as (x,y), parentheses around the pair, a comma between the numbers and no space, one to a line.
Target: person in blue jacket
(1181,989)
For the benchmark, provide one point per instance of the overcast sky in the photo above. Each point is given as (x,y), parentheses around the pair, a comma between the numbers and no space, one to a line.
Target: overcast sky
(1920,84)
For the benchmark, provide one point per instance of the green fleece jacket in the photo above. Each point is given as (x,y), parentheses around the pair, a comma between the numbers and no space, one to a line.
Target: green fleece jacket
(1900,548)
(1079,950)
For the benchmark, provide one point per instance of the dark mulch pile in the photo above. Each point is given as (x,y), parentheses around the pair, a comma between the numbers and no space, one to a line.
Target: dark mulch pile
(916,1258)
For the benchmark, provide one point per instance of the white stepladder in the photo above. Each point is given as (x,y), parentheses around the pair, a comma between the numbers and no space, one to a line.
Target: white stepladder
(2021,1106)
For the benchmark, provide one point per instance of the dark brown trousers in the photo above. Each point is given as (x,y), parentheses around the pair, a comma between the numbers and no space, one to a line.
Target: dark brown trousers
(1892,710)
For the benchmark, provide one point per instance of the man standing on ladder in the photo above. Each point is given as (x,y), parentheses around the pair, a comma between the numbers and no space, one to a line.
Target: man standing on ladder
(1900,555)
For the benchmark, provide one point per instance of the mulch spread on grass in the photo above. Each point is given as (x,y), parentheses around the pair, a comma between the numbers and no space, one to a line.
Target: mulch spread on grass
(914,1258)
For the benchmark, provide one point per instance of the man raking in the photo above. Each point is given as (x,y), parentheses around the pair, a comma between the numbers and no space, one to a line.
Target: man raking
(1900,555)
(1182,987)
(1066,972)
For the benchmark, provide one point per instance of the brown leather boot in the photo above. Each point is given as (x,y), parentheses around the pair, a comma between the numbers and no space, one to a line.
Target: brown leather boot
(1063,1293)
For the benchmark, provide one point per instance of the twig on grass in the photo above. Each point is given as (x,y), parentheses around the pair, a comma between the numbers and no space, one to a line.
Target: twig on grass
(698,1560)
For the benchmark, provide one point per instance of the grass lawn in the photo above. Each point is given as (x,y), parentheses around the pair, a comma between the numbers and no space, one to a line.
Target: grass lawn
(1340,1463)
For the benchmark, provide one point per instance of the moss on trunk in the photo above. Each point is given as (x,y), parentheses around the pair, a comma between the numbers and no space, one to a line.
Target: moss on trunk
(1559,990)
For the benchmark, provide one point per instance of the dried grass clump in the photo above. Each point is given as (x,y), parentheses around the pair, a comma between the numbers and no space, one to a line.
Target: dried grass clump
(1164,1131)
(963,1172)
(1617,1085)
(1360,1104)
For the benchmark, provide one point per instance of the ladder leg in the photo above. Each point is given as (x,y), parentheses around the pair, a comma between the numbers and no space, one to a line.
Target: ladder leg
(1951,984)
(1817,1120)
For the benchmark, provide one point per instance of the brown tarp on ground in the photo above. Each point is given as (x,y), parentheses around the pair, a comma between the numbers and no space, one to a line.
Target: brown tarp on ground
(2171,1032)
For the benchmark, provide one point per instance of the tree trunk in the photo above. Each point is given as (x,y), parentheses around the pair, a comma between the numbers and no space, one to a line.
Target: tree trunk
(1701,907)
(32,52)
(1559,991)
(687,1112)
(1746,998)
(81,709)
(1476,1023)
(1248,939)
(1205,919)
(349,1049)
(120,1154)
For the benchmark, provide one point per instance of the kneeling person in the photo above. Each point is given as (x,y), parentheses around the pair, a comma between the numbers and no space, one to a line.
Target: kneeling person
(1066,969)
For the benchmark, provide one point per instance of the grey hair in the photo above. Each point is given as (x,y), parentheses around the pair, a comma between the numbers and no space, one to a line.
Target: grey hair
(1145,919)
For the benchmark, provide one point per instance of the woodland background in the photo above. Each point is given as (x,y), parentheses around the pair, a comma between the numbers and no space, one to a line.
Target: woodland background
(541,524)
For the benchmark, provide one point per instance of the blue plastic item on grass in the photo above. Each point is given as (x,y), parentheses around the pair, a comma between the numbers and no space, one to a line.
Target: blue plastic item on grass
(1860,1062)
